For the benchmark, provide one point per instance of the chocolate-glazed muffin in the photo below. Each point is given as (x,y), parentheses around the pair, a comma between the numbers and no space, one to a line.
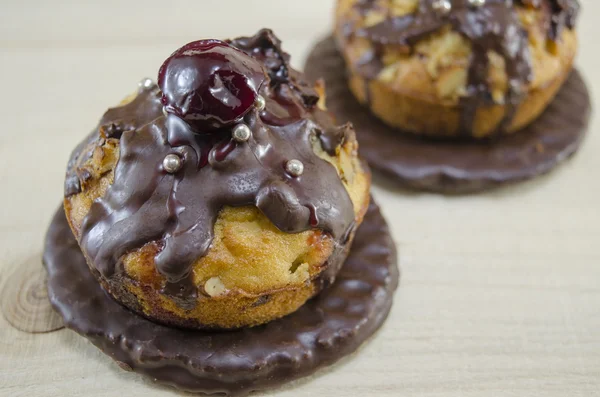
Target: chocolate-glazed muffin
(223,197)
(457,68)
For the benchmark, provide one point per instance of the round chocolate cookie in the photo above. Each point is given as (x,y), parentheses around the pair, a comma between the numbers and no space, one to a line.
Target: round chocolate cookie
(325,329)
(456,167)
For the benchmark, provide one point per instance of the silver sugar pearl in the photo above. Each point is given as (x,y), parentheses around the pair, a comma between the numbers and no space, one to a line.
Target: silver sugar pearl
(442,6)
(241,133)
(294,167)
(515,88)
(476,3)
(260,103)
(172,163)
(146,83)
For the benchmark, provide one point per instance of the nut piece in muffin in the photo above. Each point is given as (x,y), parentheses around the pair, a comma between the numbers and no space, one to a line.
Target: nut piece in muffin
(222,200)
(457,68)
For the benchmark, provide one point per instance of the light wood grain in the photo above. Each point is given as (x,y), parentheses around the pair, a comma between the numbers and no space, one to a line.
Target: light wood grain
(24,299)
(500,293)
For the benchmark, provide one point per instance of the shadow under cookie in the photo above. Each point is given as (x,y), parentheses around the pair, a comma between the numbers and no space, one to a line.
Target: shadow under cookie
(325,329)
(461,166)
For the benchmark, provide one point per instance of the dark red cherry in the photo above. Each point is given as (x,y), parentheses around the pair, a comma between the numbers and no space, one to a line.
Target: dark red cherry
(210,84)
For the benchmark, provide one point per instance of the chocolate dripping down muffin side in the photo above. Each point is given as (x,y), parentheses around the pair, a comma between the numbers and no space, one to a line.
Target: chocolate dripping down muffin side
(223,197)
(457,68)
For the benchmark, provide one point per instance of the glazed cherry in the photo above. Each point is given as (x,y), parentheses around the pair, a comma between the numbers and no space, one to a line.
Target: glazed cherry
(210,84)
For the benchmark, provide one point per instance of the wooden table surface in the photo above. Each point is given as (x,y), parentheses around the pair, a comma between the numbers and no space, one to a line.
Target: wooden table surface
(500,293)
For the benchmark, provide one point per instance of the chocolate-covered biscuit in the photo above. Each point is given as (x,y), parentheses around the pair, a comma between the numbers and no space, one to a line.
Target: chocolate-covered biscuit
(322,331)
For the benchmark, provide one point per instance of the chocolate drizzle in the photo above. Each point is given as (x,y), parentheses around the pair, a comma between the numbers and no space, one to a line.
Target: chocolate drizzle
(178,211)
(334,137)
(563,13)
(493,26)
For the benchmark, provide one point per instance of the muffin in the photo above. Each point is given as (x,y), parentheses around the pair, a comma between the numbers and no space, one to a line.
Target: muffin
(457,68)
(224,196)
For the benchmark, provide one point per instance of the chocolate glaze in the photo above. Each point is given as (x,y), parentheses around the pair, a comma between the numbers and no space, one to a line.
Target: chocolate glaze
(494,26)
(456,167)
(563,13)
(72,179)
(147,204)
(334,137)
(325,329)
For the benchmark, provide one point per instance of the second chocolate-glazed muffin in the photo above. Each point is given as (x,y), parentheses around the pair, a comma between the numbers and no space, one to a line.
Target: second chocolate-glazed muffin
(457,68)
(224,197)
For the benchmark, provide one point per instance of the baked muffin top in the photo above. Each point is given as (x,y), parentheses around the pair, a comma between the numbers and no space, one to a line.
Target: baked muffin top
(467,52)
(246,136)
